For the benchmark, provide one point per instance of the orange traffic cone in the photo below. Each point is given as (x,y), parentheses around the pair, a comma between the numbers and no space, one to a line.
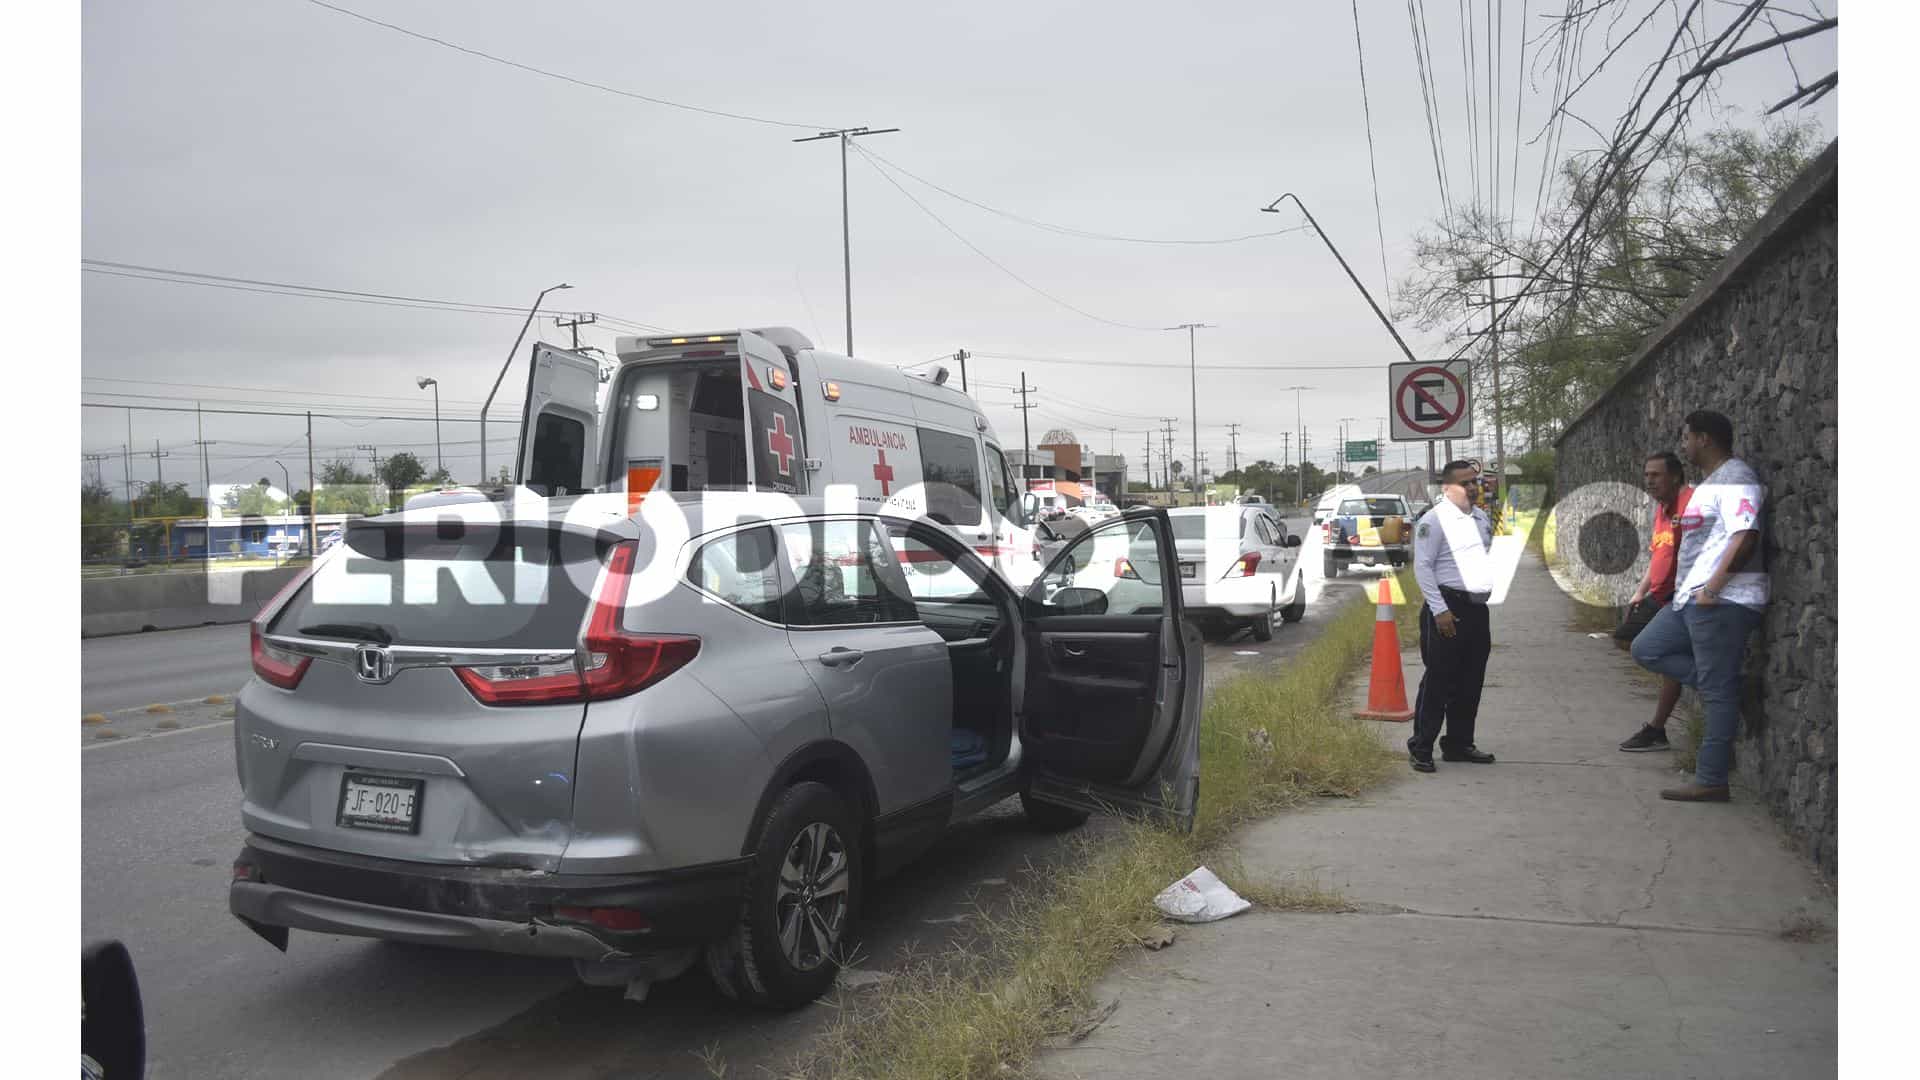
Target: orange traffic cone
(1386,687)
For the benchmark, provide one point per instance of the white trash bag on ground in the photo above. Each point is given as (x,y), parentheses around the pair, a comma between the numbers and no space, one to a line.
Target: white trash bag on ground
(1200,897)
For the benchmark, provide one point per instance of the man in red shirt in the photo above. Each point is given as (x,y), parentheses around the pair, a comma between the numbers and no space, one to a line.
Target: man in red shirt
(1666,482)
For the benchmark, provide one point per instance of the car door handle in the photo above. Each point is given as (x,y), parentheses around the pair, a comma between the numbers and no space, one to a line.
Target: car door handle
(840,654)
(1076,654)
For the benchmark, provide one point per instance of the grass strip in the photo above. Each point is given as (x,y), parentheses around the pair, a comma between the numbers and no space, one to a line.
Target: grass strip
(1268,741)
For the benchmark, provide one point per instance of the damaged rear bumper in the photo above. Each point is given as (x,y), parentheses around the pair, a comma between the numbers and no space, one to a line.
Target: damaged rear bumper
(267,908)
(280,886)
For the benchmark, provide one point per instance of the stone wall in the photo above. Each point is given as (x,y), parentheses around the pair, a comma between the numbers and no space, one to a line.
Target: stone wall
(1759,343)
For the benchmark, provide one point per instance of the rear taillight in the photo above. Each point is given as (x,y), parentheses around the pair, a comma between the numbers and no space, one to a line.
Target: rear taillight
(618,662)
(275,666)
(1123,568)
(625,920)
(1248,564)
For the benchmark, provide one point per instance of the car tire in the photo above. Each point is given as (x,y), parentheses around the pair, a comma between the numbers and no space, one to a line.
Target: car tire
(805,877)
(1296,610)
(1051,817)
(1263,623)
(1329,568)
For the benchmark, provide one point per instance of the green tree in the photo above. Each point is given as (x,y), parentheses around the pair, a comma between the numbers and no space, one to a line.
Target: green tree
(402,471)
(1656,234)
(253,500)
(343,489)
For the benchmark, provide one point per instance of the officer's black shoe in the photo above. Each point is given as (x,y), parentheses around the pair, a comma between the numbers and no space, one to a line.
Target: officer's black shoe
(1471,753)
(1422,760)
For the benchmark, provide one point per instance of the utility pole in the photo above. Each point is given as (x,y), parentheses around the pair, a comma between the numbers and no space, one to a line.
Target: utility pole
(1193,379)
(1166,457)
(846,135)
(1148,459)
(1300,480)
(1499,429)
(1286,450)
(206,476)
(126,461)
(1233,447)
(156,454)
(961,355)
(95,460)
(1026,434)
(574,324)
(373,455)
(313,496)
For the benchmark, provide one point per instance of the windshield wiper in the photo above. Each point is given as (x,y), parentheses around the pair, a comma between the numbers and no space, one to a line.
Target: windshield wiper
(351,631)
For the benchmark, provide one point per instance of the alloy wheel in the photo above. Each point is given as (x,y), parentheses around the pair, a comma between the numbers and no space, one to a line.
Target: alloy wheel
(810,898)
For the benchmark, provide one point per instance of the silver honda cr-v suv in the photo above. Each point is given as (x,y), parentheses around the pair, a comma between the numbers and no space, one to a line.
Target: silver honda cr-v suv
(639,738)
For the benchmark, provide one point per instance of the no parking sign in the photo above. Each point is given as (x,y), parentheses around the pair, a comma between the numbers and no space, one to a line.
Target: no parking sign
(1430,401)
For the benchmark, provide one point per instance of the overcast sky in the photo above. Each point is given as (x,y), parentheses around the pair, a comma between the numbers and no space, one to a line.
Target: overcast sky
(281,141)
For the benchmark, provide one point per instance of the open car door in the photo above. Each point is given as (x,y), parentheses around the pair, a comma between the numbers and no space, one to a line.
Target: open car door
(1111,692)
(560,423)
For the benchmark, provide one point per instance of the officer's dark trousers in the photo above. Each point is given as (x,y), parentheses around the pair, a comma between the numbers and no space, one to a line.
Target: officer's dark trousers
(1456,666)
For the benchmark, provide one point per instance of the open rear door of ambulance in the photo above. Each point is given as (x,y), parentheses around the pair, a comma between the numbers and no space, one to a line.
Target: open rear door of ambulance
(560,423)
(776,451)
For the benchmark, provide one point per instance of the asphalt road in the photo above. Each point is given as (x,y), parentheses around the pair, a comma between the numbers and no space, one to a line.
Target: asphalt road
(160,828)
(132,670)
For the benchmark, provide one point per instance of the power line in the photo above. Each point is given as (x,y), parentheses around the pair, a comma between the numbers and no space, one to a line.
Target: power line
(1067,230)
(1373,170)
(1617,158)
(1426,102)
(1175,367)
(343,417)
(1468,69)
(283,288)
(445,44)
(260,389)
(971,246)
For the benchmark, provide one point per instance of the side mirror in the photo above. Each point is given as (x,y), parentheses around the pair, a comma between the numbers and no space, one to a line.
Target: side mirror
(1292,540)
(1078,601)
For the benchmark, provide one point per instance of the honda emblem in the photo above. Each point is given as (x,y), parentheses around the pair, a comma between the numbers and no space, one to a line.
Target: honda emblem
(373,664)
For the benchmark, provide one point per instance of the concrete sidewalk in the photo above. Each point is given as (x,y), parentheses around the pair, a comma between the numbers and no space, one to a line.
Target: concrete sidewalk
(1544,916)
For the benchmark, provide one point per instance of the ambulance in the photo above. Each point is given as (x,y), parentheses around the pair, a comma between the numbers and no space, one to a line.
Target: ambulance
(763,409)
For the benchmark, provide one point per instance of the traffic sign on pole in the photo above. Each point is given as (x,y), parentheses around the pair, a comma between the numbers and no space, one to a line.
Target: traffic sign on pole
(1369,450)
(1430,401)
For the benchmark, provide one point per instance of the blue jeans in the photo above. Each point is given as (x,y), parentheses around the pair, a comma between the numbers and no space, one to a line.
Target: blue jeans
(1701,646)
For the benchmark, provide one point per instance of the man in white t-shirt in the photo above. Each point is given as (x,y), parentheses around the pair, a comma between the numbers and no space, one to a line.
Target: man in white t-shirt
(1720,596)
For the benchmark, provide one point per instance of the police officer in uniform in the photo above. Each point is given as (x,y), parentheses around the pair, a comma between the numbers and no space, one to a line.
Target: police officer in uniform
(1455,572)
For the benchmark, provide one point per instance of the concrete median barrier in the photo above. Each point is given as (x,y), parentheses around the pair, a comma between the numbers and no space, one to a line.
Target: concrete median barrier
(136,602)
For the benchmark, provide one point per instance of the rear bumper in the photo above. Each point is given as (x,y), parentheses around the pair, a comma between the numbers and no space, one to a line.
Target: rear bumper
(1363,553)
(1230,600)
(488,908)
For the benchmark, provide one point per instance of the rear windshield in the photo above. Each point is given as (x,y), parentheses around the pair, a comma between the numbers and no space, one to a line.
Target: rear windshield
(1189,527)
(1193,527)
(1372,507)
(495,587)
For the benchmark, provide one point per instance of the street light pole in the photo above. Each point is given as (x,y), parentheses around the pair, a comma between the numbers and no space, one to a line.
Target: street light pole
(1193,382)
(846,135)
(503,373)
(1273,208)
(1300,477)
(286,487)
(439,461)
